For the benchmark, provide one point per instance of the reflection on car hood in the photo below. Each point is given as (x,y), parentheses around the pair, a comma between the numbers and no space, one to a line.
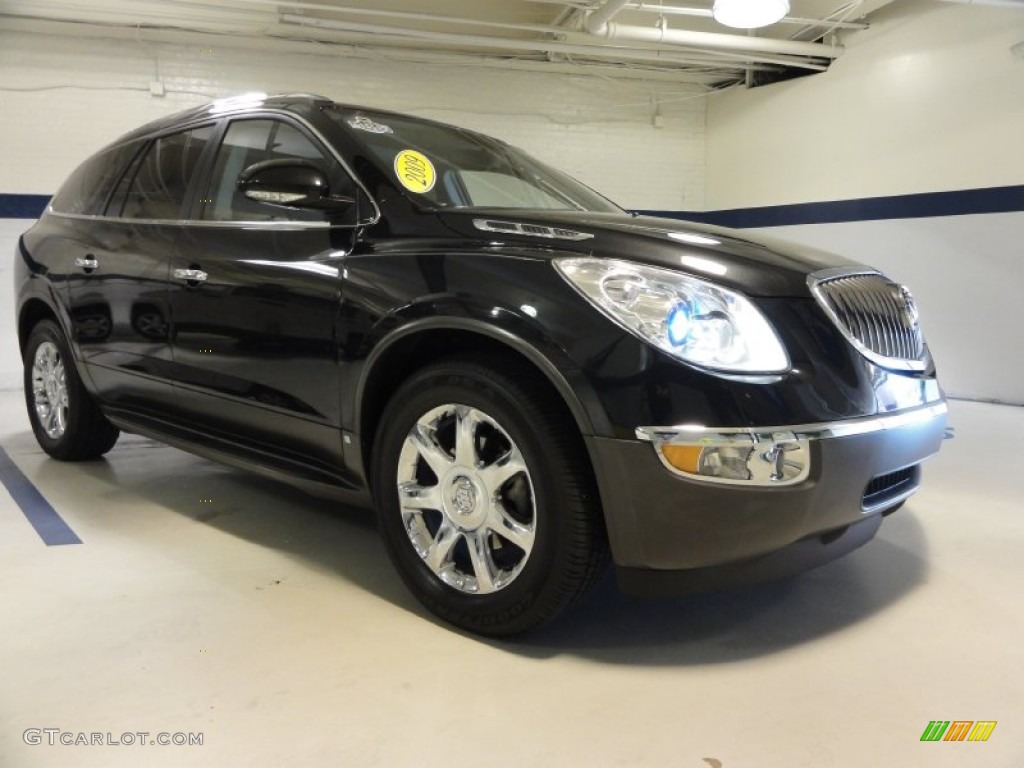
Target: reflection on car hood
(758,266)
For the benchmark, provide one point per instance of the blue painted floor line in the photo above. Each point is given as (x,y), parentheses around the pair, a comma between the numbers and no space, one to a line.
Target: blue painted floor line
(44,518)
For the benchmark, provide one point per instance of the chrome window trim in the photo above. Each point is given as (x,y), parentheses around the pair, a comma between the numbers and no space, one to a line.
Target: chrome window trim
(252,113)
(814,281)
(695,433)
(204,223)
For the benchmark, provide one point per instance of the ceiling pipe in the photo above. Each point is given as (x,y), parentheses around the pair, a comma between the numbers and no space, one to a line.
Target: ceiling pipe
(599,24)
(260,43)
(597,21)
(1018,4)
(716,40)
(301,5)
(677,10)
(574,44)
(212,18)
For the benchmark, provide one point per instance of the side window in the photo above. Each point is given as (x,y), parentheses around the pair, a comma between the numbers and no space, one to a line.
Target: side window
(252,141)
(86,189)
(162,179)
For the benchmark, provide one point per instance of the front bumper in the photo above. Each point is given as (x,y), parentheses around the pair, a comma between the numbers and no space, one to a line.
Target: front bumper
(669,529)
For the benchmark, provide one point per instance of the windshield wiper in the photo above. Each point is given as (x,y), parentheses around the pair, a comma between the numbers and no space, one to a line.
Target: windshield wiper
(557,193)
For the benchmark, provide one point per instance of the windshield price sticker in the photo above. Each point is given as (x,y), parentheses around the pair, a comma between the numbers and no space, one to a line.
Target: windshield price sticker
(415,171)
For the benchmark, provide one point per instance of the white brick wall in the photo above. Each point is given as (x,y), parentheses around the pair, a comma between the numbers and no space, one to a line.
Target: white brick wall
(930,98)
(63,97)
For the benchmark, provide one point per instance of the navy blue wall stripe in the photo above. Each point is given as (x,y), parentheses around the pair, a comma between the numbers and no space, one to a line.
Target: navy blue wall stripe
(925,205)
(22,206)
(928,204)
(48,524)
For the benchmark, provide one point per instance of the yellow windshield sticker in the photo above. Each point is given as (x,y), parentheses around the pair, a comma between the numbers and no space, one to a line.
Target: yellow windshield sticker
(415,171)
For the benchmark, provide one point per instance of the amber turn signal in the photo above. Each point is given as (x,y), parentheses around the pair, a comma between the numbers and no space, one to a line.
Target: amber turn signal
(685,458)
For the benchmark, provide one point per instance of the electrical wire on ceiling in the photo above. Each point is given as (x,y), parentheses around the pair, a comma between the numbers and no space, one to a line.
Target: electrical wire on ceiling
(665,95)
(84,87)
(830,23)
(517,32)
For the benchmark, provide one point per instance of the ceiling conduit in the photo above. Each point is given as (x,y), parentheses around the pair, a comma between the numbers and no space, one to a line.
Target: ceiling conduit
(580,44)
(597,20)
(599,24)
(1019,4)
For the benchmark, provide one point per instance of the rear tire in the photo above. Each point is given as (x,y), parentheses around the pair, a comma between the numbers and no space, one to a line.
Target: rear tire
(67,422)
(486,500)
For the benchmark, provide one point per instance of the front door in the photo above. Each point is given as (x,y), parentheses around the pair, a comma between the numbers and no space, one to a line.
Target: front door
(255,296)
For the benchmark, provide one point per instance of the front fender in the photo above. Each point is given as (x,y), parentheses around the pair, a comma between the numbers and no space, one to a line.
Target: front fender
(502,326)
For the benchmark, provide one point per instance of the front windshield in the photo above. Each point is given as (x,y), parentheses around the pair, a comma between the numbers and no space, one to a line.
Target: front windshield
(448,167)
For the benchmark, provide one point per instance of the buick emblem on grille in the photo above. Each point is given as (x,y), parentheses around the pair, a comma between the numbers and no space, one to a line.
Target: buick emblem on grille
(909,305)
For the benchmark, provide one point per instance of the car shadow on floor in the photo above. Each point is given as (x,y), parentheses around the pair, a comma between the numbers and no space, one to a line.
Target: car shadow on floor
(605,626)
(610,627)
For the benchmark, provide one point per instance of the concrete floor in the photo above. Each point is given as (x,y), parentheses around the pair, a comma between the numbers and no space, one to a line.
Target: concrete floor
(206,600)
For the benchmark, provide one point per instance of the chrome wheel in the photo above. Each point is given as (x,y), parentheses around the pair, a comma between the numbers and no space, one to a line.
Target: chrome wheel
(466,499)
(50,389)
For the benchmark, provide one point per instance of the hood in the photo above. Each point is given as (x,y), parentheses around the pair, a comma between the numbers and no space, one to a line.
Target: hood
(757,266)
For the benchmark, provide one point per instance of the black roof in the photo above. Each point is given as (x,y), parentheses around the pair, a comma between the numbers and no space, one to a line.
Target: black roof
(299,103)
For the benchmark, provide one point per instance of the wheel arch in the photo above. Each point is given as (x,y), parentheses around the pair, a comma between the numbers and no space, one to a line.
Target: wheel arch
(425,341)
(30,314)
(38,306)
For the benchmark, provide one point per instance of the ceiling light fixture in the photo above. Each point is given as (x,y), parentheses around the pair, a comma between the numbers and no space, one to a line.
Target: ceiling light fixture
(750,14)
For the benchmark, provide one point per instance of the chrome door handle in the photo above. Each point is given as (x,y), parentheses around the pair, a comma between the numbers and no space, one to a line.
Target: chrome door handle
(87,263)
(190,275)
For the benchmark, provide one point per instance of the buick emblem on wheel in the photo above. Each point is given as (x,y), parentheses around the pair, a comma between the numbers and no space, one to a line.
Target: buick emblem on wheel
(465,497)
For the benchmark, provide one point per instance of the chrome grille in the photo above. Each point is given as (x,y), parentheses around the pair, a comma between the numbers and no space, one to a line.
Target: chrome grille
(878,316)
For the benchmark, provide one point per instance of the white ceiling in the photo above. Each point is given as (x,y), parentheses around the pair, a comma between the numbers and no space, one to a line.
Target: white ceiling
(537,34)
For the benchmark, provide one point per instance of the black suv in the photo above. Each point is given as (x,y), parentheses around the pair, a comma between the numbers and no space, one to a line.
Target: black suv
(520,376)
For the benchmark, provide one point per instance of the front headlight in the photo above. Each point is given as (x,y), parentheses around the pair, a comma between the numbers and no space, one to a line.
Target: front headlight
(691,319)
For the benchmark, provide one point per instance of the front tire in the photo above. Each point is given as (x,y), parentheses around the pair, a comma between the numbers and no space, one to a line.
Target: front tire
(66,421)
(487,502)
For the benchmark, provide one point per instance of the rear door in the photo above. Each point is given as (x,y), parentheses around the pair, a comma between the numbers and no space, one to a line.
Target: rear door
(255,295)
(117,289)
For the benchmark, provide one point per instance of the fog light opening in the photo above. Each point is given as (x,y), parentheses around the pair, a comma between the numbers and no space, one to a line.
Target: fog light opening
(765,459)
(728,462)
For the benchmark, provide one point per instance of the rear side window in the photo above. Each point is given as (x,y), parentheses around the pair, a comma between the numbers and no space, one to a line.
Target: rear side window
(163,177)
(87,188)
